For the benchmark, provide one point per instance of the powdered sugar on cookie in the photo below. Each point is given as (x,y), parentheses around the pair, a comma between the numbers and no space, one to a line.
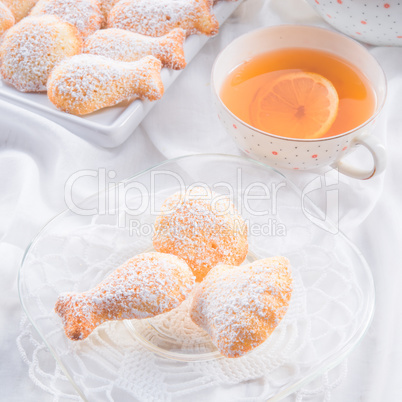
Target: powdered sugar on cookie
(31,48)
(122,45)
(157,18)
(239,307)
(85,15)
(145,286)
(85,83)
(202,228)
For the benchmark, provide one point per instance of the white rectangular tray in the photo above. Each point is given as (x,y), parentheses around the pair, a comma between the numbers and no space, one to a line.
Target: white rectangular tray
(110,127)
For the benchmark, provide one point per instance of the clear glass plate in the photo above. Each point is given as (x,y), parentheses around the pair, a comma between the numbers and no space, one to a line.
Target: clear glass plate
(168,357)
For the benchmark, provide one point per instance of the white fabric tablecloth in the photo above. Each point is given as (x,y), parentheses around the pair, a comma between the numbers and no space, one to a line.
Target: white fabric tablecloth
(37,157)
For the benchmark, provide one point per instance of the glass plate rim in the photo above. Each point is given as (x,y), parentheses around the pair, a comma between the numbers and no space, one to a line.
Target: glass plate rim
(344,351)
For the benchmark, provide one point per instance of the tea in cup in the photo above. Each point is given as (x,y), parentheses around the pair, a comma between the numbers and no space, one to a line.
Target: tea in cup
(300,97)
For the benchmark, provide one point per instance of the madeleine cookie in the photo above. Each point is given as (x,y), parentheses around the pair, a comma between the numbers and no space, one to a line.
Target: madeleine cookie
(31,48)
(239,307)
(85,15)
(85,83)
(121,45)
(157,18)
(144,286)
(203,230)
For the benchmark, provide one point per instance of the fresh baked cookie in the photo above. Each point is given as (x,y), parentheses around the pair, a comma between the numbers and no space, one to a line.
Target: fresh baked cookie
(85,15)
(203,228)
(239,307)
(157,18)
(86,82)
(19,8)
(144,286)
(30,49)
(121,45)
(7,19)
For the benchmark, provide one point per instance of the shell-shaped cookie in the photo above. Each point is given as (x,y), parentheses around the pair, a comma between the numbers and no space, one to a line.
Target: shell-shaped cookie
(239,307)
(203,228)
(31,48)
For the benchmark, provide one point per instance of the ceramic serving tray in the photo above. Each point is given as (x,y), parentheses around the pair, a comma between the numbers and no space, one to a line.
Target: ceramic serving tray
(111,126)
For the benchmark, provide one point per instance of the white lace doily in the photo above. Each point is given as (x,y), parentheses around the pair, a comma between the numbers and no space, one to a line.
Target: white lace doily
(49,377)
(328,313)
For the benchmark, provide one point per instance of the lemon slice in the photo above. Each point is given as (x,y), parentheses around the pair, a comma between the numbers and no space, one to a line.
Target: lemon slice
(296,105)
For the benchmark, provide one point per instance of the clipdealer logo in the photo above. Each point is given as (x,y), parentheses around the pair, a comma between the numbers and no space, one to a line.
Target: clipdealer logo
(256,202)
(327,187)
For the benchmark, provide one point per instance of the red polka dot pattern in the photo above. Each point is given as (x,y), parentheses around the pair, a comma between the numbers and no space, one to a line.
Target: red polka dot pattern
(372,21)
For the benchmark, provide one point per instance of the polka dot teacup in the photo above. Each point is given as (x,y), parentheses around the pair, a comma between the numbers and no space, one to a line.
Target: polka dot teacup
(302,154)
(377,22)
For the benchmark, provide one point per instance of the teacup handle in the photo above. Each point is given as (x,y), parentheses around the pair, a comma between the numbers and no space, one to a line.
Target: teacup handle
(376,149)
